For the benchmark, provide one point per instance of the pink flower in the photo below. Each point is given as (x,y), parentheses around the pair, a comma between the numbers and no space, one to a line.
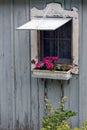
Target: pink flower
(49,62)
(49,66)
(38,65)
(45,60)
(54,58)
(51,58)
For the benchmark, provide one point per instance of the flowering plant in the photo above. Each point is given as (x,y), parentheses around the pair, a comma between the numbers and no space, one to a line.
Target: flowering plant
(50,63)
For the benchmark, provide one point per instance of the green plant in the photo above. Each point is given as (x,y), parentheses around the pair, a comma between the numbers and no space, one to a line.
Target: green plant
(56,119)
(84,125)
(64,126)
(76,128)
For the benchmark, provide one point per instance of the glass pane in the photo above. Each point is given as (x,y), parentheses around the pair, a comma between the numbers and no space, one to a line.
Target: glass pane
(58,42)
(64,49)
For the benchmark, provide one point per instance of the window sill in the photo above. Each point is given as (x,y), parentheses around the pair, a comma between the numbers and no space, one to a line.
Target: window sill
(47,74)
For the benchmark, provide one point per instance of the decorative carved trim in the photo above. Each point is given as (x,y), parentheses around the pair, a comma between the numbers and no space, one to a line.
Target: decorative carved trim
(54,10)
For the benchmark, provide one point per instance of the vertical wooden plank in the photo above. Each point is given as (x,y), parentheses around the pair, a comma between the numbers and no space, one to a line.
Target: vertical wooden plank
(80,56)
(41,101)
(1,60)
(54,92)
(13,62)
(80,5)
(83,63)
(6,66)
(38,106)
(35,104)
(72,102)
(22,66)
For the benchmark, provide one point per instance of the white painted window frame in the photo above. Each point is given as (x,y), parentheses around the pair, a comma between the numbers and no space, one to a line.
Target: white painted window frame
(56,10)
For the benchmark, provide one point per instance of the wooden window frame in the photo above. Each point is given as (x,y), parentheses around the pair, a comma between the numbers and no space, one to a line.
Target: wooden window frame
(55,9)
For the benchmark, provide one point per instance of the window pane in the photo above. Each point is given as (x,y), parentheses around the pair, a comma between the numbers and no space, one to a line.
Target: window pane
(58,42)
(65,49)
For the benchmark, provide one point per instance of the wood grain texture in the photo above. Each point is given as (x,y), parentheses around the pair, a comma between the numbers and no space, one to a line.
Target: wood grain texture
(15,93)
(22,104)
(83,64)
(6,67)
(22,67)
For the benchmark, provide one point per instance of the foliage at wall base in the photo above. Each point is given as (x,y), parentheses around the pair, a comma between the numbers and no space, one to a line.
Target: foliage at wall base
(57,119)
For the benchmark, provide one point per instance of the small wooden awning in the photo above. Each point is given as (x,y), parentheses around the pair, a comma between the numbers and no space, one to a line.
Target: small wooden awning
(44,24)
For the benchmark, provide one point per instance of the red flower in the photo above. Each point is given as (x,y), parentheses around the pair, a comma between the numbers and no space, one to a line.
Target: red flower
(45,60)
(38,65)
(51,58)
(54,58)
(49,65)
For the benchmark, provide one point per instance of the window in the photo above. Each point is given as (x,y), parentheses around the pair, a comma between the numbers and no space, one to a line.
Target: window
(54,32)
(57,43)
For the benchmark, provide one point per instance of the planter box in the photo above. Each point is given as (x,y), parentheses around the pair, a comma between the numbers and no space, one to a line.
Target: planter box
(47,74)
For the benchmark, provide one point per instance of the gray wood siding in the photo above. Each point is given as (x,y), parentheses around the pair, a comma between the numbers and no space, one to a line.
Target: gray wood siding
(14,66)
(83,64)
(22,97)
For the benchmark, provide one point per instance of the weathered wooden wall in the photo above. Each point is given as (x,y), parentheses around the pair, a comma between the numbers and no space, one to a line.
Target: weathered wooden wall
(83,64)
(22,97)
(14,66)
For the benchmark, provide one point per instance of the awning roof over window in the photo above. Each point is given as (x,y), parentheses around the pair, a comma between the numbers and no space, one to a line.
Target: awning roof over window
(44,23)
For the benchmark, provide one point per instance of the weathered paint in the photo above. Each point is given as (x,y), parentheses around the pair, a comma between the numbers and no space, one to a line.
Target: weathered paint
(22,97)
(83,64)
(14,79)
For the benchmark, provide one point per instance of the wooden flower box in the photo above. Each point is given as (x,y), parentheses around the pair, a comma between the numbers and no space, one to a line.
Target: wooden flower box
(47,74)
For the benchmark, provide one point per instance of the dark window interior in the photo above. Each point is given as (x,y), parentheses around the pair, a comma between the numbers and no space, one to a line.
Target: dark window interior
(57,43)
